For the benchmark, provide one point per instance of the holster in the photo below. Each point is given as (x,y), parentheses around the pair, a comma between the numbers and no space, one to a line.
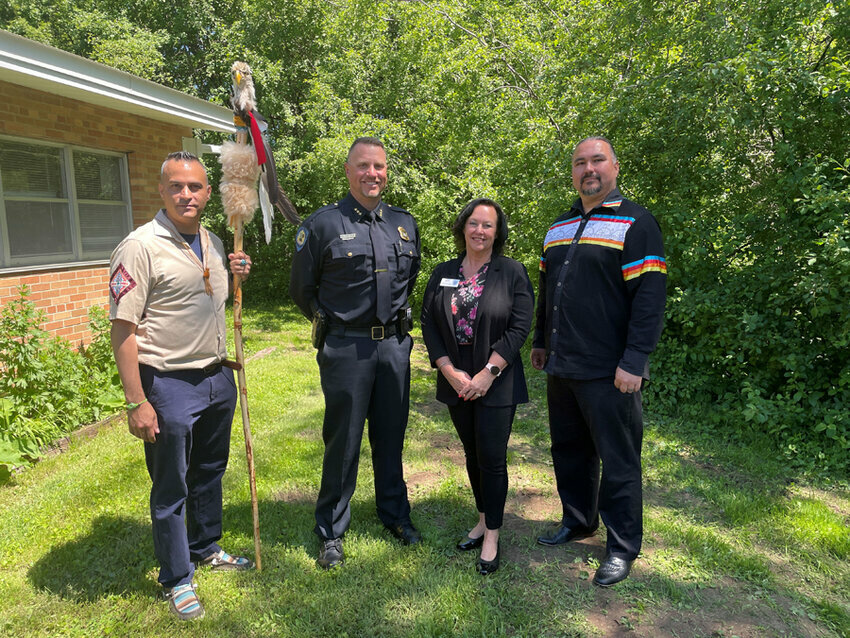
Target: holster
(404,321)
(320,328)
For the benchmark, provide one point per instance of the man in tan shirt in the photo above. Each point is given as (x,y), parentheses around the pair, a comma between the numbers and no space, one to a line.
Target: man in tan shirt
(168,287)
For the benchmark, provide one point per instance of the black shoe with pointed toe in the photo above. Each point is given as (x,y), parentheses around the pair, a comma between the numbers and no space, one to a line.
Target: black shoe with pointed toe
(612,570)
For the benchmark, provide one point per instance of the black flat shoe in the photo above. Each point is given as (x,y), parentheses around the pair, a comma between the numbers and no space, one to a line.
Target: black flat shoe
(565,534)
(470,543)
(612,570)
(489,566)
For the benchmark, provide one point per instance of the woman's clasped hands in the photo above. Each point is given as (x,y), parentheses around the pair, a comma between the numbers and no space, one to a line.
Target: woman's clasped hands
(468,388)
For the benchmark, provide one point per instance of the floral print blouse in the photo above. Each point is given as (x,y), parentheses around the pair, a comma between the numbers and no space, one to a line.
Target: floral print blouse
(465,303)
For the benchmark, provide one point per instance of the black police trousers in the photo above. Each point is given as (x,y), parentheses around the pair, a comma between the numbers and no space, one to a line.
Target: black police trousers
(592,421)
(363,379)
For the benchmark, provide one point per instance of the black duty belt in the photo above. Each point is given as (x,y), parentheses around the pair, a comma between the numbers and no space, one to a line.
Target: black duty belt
(375,333)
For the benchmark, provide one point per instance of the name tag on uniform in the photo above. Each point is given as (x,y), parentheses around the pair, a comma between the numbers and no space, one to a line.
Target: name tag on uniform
(348,236)
(449,283)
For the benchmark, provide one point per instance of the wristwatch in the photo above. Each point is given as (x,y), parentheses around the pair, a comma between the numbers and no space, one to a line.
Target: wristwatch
(494,369)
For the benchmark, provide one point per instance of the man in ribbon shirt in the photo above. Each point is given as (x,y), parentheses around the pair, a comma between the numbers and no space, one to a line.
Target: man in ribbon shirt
(355,264)
(168,286)
(600,313)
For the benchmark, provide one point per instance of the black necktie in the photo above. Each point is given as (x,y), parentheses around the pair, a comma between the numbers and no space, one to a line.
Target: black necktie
(382,273)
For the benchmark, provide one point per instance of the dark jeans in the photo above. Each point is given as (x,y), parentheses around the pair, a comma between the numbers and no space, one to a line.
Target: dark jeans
(484,432)
(592,421)
(186,464)
(363,379)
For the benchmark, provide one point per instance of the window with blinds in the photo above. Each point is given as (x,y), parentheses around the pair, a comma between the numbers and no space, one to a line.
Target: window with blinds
(60,204)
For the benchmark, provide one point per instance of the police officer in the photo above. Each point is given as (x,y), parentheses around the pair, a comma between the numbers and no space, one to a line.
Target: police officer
(355,264)
(168,286)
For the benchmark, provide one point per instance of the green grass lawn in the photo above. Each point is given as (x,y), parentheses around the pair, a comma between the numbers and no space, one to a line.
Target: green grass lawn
(734,545)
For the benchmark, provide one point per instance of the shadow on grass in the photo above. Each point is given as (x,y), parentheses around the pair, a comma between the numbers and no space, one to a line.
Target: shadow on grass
(113,558)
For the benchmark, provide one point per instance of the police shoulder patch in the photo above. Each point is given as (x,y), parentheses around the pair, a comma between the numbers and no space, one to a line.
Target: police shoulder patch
(301,238)
(120,283)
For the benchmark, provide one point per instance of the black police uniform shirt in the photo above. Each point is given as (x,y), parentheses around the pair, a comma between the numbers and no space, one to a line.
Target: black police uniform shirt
(334,264)
(602,290)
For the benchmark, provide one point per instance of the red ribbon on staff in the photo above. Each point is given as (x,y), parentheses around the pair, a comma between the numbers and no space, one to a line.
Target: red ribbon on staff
(257,139)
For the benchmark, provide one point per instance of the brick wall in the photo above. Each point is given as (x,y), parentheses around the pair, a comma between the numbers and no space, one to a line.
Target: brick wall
(65,294)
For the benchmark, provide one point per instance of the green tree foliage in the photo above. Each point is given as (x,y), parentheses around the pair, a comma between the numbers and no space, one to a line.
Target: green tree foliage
(731,121)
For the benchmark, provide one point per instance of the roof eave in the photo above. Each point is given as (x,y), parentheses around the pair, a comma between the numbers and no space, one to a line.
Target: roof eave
(45,68)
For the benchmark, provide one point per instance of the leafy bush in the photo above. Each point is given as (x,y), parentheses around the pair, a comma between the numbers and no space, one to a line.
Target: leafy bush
(47,388)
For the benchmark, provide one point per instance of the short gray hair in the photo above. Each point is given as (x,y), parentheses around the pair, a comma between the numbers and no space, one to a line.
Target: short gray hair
(179,156)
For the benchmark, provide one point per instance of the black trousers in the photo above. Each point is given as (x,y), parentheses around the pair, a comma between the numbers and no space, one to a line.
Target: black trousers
(186,464)
(484,432)
(363,379)
(592,421)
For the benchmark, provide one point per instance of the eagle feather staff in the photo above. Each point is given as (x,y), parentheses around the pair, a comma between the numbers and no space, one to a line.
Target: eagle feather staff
(241,165)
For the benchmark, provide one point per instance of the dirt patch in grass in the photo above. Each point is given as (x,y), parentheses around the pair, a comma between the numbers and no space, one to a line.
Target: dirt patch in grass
(422,480)
(730,608)
(293,497)
(308,434)
(449,446)
(611,617)
(262,353)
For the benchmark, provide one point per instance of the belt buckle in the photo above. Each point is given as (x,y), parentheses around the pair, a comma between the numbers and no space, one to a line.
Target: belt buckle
(377,333)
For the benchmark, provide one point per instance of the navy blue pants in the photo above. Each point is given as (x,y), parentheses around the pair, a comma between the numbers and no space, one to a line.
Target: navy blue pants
(484,432)
(186,464)
(592,421)
(363,379)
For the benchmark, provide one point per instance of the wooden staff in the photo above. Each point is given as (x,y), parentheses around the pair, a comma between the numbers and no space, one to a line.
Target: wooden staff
(243,393)
(240,171)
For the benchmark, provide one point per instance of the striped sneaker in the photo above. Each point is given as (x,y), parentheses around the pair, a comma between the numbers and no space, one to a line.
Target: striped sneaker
(183,602)
(222,561)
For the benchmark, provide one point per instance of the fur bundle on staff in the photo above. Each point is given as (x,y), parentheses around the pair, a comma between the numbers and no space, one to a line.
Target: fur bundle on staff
(239,173)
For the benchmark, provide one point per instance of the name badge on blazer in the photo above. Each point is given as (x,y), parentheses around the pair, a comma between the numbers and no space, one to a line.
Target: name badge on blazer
(449,283)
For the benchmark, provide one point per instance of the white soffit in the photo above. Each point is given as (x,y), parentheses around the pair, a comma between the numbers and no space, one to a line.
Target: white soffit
(45,68)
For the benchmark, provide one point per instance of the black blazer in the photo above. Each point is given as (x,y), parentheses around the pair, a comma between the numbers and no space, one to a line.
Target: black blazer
(502,323)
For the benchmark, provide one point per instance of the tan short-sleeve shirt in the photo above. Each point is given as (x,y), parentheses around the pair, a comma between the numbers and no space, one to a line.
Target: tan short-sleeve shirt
(157,282)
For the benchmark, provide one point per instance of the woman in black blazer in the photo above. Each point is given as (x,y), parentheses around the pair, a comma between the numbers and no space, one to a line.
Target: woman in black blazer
(476,315)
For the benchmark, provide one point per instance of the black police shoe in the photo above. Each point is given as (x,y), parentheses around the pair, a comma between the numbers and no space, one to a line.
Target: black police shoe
(565,534)
(405,532)
(331,554)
